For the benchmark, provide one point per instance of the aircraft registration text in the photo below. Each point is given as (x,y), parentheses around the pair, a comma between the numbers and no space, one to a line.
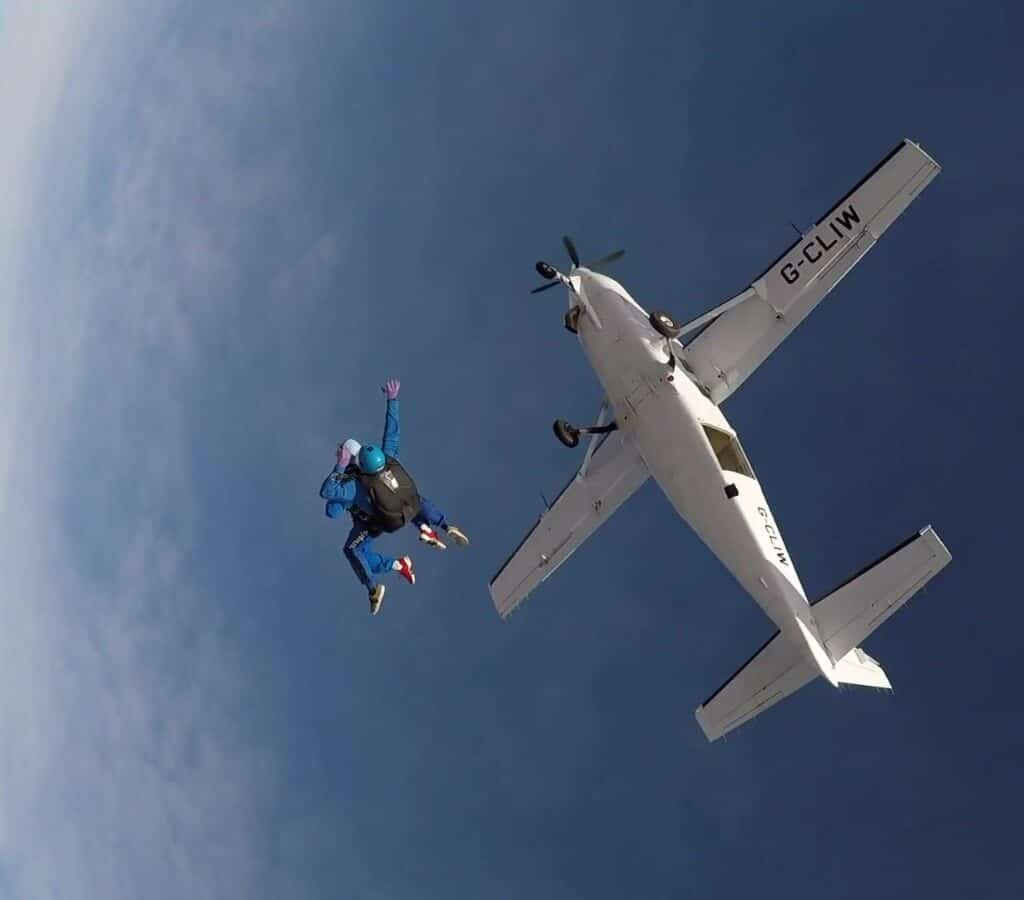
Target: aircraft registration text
(820,244)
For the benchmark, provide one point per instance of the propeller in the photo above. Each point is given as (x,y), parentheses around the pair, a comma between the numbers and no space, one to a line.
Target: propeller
(546,270)
(570,248)
(604,260)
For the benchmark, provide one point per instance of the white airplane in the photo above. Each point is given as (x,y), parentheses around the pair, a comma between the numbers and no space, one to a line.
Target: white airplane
(664,396)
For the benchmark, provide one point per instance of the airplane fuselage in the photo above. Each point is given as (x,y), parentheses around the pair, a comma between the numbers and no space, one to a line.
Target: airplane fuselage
(692,451)
(668,425)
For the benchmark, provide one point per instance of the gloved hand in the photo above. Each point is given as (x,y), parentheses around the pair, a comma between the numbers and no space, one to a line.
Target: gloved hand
(391,387)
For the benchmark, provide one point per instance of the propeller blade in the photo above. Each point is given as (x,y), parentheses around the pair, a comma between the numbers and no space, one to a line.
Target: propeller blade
(571,250)
(544,287)
(604,260)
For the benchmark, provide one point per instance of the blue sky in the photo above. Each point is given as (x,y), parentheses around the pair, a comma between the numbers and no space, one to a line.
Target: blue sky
(222,231)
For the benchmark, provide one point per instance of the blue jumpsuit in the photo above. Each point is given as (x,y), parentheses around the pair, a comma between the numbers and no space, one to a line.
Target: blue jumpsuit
(343,495)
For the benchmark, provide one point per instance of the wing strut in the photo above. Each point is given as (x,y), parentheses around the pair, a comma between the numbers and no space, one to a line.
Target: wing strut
(596,439)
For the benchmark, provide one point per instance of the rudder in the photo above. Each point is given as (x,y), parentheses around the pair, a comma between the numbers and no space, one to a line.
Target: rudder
(859,668)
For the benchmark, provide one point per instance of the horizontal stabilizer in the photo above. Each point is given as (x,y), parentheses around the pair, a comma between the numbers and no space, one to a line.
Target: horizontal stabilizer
(778,669)
(843,619)
(856,608)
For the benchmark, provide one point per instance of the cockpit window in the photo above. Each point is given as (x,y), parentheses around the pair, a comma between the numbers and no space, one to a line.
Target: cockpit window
(728,451)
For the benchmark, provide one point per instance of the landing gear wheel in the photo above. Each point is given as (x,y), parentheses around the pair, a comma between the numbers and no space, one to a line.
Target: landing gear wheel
(572,320)
(566,433)
(665,325)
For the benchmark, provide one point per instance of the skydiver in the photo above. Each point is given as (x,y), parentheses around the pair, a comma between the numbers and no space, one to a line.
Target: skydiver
(381,497)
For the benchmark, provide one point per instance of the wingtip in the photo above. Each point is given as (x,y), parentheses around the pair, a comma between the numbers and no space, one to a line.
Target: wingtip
(705,726)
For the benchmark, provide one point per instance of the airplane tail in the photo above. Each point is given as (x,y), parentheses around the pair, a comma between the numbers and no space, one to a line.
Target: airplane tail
(843,618)
(859,668)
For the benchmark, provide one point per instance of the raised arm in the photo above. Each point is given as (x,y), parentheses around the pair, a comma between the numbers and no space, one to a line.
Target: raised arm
(392,432)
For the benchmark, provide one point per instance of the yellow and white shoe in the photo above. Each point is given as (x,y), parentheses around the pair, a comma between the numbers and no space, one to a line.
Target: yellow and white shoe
(376,598)
(457,535)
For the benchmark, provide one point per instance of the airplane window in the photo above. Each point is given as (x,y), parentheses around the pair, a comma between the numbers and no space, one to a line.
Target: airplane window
(728,451)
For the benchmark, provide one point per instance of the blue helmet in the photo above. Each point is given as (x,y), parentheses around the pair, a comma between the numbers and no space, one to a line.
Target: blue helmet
(371,459)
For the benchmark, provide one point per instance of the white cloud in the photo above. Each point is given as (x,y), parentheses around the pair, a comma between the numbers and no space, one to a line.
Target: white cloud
(126,769)
(36,46)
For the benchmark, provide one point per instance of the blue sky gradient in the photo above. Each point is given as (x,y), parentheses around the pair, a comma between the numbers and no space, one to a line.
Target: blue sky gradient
(223,230)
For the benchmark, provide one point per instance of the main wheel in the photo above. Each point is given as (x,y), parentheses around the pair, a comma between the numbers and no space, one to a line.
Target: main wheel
(566,433)
(665,325)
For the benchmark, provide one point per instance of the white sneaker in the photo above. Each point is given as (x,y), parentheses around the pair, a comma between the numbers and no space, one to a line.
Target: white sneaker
(457,535)
(376,598)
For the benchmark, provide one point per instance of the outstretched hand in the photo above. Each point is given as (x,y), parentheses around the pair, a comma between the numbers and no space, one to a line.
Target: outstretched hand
(391,387)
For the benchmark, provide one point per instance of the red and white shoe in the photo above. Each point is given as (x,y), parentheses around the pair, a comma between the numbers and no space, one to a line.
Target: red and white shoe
(430,538)
(403,567)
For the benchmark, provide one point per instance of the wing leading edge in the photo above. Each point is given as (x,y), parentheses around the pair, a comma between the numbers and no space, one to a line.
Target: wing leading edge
(610,475)
(736,337)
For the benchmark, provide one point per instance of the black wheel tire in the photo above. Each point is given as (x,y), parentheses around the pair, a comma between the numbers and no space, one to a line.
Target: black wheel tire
(566,433)
(572,320)
(664,324)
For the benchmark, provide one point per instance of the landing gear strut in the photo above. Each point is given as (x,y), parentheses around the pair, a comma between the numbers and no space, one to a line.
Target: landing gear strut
(570,434)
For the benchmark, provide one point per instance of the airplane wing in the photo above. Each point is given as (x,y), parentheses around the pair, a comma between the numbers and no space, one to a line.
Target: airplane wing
(740,334)
(611,473)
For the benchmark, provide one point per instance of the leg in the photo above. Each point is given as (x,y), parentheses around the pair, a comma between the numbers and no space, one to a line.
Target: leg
(427,519)
(364,559)
(430,515)
(367,562)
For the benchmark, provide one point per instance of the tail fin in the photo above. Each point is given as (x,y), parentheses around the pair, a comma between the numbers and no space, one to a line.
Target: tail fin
(859,668)
(844,618)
